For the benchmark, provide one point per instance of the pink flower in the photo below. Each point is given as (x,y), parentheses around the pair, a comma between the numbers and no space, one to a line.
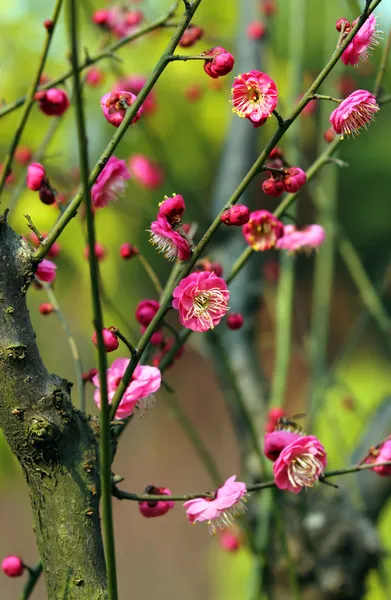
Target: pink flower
(145,381)
(147,173)
(110,340)
(235,321)
(378,454)
(46,271)
(53,102)
(276,441)
(156,508)
(94,76)
(219,511)
(254,97)
(110,183)
(146,310)
(202,300)
(355,112)
(222,62)
(230,541)
(190,36)
(172,208)
(365,39)
(35,176)
(168,241)
(256,30)
(113,107)
(134,84)
(300,464)
(294,240)
(294,179)
(12,566)
(263,230)
(237,215)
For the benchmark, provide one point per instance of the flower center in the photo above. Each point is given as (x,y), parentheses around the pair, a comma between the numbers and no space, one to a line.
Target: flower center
(304,470)
(207,303)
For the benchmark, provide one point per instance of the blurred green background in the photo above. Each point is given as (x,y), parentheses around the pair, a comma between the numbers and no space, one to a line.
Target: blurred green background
(186,138)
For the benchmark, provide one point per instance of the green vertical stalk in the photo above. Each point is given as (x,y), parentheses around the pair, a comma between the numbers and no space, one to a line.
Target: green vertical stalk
(32,581)
(105,451)
(30,97)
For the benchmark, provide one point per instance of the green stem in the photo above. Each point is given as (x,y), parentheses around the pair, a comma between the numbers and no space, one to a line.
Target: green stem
(192,434)
(72,345)
(151,273)
(330,98)
(73,206)
(91,60)
(105,433)
(383,66)
(31,582)
(190,57)
(30,97)
(294,584)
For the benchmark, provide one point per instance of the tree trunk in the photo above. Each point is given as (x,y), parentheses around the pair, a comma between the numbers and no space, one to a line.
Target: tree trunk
(55,444)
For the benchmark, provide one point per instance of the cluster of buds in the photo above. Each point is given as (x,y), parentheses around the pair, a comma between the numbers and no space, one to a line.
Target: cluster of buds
(37,181)
(289,179)
(118,20)
(168,233)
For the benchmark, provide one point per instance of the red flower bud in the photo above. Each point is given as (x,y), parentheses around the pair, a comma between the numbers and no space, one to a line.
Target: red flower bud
(100,251)
(190,36)
(235,321)
(273,187)
(110,340)
(35,176)
(128,251)
(236,215)
(146,310)
(256,30)
(46,308)
(342,24)
(222,62)
(12,566)
(89,375)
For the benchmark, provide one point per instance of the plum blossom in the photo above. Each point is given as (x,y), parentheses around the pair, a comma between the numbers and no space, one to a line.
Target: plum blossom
(113,107)
(145,381)
(300,464)
(168,241)
(306,239)
(254,97)
(366,38)
(379,454)
(262,230)
(228,503)
(46,271)
(134,84)
(111,182)
(201,299)
(145,171)
(354,113)
(222,62)
(275,442)
(156,508)
(53,102)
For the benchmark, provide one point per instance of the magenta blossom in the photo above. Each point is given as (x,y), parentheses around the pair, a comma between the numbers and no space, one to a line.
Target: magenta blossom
(294,179)
(237,215)
(110,340)
(168,241)
(202,300)
(262,230)
(300,464)
(53,102)
(156,508)
(35,176)
(113,107)
(146,310)
(354,113)
(306,239)
(365,39)
(134,84)
(221,64)
(110,183)
(145,382)
(379,454)
(172,208)
(254,97)
(275,442)
(147,173)
(219,511)
(46,271)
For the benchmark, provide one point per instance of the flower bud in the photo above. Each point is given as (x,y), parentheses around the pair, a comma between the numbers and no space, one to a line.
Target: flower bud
(23,155)
(128,251)
(172,208)
(134,17)
(100,251)
(89,375)
(273,417)
(46,271)
(229,541)
(157,338)
(12,566)
(53,102)
(102,18)
(273,187)
(236,215)
(329,135)
(222,62)
(35,176)
(294,179)
(235,321)
(256,30)
(146,310)
(110,340)
(155,508)
(206,265)
(94,76)
(48,24)
(342,24)
(190,36)
(46,194)
(46,308)
(275,153)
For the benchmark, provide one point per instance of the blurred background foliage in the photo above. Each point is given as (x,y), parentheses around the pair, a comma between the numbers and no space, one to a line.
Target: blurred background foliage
(185,136)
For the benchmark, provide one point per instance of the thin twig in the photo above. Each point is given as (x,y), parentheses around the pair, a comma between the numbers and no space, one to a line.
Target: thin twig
(34,575)
(151,273)
(383,66)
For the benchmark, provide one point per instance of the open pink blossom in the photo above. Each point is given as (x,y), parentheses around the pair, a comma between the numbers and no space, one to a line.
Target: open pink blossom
(379,454)
(113,107)
(202,300)
(53,102)
(134,84)
(254,97)
(219,511)
(354,113)
(168,241)
(172,208)
(262,230)
(306,239)
(145,382)
(275,442)
(46,271)
(365,39)
(222,62)
(156,508)
(300,464)
(111,182)
(145,171)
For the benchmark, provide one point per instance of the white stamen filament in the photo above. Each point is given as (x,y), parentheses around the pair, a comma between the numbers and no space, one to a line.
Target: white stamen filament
(207,302)
(304,470)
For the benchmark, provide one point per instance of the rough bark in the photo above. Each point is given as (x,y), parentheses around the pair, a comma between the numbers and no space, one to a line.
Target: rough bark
(55,444)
